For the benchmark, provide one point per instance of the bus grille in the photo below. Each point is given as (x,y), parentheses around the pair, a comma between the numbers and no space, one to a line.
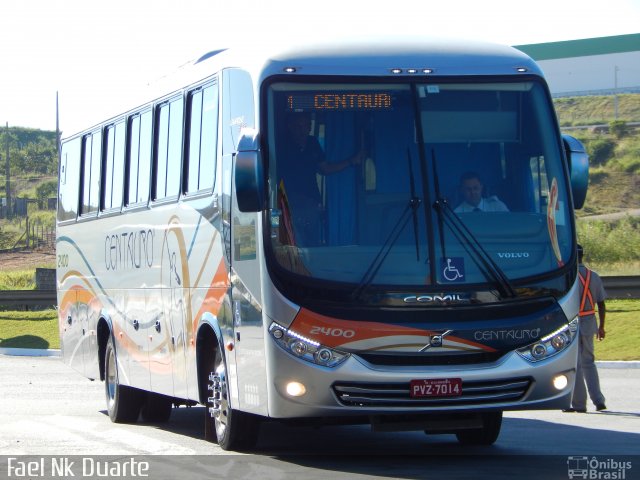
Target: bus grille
(418,359)
(397,394)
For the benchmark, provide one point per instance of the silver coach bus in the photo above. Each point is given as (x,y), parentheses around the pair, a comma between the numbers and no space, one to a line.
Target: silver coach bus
(348,233)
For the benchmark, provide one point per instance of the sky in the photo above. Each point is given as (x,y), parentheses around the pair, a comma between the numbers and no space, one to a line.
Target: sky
(96,54)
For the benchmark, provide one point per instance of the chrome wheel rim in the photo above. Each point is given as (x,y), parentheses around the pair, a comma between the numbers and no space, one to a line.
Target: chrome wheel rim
(219,401)
(111,377)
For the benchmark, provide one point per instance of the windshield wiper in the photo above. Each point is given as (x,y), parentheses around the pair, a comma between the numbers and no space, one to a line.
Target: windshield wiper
(411,208)
(467,239)
(414,209)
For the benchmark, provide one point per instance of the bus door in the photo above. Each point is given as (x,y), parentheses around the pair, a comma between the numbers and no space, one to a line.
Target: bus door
(247,311)
(238,111)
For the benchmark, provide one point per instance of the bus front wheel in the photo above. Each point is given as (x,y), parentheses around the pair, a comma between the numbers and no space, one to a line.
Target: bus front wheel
(123,403)
(234,430)
(485,435)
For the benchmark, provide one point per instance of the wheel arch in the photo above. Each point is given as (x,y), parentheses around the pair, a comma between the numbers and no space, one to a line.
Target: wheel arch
(104,330)
(208,341)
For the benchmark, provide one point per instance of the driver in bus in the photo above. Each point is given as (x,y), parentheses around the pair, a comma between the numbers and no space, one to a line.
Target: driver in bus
(472,191)
(302,160)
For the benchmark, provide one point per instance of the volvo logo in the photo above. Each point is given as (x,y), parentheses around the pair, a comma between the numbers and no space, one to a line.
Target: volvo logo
(452,297)
(435,341)
(513,254)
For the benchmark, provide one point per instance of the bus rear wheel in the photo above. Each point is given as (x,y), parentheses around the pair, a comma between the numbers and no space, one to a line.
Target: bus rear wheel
(485,435)
(123,403)
(234,430)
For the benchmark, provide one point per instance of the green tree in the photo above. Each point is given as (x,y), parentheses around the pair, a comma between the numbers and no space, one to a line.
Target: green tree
(46,190)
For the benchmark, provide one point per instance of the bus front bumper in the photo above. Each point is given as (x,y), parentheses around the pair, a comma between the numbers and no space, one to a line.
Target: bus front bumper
(357,388)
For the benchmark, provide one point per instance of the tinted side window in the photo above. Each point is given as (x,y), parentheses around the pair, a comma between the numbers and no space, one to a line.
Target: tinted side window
(91,161)
(133,153)
(69,179)
(169,117)
(203,136)
(113,167)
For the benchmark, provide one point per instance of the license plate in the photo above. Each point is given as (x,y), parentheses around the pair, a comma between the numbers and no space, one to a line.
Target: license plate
(436,387)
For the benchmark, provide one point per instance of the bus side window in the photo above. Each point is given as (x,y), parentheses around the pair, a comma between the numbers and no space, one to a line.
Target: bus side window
(202,139)
(113,166)
(168,150)
(90,183)
(69,180)
(138,158)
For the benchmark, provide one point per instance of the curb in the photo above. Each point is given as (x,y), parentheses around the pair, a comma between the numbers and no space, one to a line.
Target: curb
(618,364)
(39,352)
(30,352)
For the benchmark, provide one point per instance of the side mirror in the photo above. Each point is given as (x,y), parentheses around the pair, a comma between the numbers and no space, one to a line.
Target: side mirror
(578,168)
(248,173)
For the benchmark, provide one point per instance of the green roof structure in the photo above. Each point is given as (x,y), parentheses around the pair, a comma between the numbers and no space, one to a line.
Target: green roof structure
(582,48)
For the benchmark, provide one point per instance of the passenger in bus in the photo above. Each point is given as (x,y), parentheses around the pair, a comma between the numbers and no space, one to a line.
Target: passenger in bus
(472,190)
(302,159)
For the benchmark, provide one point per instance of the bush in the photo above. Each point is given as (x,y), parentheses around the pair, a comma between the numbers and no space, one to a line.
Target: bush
(618,128)
(17,280)
(610,242)
(600,150)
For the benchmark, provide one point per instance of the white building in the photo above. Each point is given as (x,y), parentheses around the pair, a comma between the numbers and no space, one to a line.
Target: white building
(591,66)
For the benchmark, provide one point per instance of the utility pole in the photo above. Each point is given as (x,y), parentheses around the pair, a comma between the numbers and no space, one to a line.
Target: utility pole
(8,172)
(615,92)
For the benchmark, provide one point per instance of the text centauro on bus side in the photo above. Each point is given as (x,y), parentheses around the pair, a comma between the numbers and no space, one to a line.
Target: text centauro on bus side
(284,236)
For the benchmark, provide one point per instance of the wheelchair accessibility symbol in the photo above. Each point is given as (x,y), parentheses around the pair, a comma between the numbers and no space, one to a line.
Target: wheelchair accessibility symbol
(452,269)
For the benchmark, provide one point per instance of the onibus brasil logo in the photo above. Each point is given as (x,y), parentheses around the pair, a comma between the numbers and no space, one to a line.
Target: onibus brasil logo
(597,469)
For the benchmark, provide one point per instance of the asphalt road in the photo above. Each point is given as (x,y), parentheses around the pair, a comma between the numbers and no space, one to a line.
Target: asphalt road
(47,409)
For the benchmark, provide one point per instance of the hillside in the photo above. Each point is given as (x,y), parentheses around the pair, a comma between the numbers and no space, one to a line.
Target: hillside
(614,151)
(596,109)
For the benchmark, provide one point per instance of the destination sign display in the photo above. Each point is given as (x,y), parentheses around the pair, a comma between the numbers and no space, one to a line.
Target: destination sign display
(340,101)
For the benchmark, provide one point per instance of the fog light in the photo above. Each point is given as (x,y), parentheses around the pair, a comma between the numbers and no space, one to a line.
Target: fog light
(560,382)
(296,389)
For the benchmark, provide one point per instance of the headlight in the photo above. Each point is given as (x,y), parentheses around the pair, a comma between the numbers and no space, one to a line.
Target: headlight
(552,344)
(305,348)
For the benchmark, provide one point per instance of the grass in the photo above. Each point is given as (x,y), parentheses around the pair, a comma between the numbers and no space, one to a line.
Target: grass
(29,329)
(622,341)
(40,330)
(17,280)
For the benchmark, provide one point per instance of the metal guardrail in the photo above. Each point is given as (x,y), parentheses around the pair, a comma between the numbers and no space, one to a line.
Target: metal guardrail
(616,287)
(28,298)
(622,286)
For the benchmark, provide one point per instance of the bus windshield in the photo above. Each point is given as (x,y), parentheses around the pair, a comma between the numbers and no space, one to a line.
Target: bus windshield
(416,184)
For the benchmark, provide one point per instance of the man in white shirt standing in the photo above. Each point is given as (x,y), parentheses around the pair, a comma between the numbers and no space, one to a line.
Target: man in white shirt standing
(472,190)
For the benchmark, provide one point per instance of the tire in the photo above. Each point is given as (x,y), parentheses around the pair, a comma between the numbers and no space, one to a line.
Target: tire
(231,429)
(123,403)
(156,408)
(487,435)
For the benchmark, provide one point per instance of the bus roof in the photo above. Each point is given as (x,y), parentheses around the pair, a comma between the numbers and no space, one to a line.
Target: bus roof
(378,56)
